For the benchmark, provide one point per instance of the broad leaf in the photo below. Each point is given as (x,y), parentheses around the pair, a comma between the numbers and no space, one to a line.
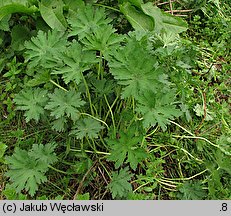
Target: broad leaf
(15,6)
(75,62)
(157,108)
(163,20)
(136,69)
(137,18)
(64,104)
(4,24)
(86,127)
(126,147)
(87,20)
(52,12)
(25,172)
(119,185)
(32,101)
(43,50)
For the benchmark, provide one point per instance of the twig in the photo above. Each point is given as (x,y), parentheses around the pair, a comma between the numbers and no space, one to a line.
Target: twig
(163,3)
(170,4)
(180,15)
(180,11)
(205,113)
(81,183)
(103,175)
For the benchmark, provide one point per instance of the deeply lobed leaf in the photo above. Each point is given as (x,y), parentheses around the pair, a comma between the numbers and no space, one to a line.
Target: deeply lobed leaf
(25,171)
(157,108)
(43,50)
(64,104)
(32,101)
(119,185)
(87,20)
(127,146)
(86,127)
(136,69)
(75,62)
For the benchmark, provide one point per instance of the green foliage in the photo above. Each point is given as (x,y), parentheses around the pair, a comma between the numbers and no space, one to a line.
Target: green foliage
(52,13)
(136,69)
(43,49)
(127,146)
(44,153)
(15,6)
(86,127)
(103,39)
(85,196)
(11,194)
(27,169)
(191,191)
(32,102)
(3,148)
(151,18)
(64,104)
(75,62)
(164,21)
(119,185)
(135,106)
(87,21)
(19,35)
(139,21)
(159,110)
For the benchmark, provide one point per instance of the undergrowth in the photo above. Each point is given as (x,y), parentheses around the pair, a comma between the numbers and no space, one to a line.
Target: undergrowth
(114,100)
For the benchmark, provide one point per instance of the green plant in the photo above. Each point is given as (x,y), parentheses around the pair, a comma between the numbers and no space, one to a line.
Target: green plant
(116,113)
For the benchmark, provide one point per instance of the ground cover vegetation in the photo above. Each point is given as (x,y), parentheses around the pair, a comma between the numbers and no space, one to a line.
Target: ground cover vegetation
(115,99)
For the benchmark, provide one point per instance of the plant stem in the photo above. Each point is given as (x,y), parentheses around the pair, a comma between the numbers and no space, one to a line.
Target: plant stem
(59,86)
(57,170)
(112,116)
(92,152)
(105,6)
(96,119)
(88,93)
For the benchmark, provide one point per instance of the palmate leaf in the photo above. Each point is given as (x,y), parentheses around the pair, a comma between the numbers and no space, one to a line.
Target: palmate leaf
(87,20)
(64,104)
(44,153)
(103,87)
(75,61)
(127,146)
(41,77)
(192,190)
(27,168)
(157,108)
(136,69)
(26,172)
(86,127)
(32,101)
(119,185)
(59,124)
(43,50)
(103,38)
